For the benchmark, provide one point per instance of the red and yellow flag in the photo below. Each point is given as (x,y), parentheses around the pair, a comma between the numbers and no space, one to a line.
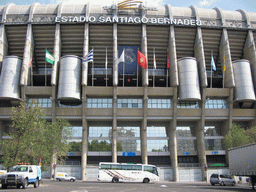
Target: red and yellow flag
(142,60)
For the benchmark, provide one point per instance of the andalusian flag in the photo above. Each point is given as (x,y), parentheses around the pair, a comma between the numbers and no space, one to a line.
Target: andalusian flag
(49,57)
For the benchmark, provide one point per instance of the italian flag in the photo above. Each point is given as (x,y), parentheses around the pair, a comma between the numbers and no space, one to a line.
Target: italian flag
(49,57)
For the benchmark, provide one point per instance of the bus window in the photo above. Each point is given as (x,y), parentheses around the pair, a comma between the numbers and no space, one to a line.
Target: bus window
(116,167)
(105,166)
(137,167)
(155,171)
(127,167)
(151,169)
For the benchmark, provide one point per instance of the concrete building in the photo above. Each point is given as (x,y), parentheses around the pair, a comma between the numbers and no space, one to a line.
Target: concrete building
(174,114)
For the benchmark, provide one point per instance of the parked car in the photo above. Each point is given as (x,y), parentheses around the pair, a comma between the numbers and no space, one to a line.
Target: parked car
(222,180)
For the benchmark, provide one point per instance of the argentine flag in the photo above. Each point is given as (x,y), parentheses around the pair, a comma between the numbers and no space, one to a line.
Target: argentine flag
(213,64)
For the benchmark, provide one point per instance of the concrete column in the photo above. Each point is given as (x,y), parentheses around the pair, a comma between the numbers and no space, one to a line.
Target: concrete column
(57,54)
(250,53)
(115,52)
(3,38)
(86,48)
(199,55)
(173,138)
(114,127)
(228,123)
(84,136)
(143,129)
(28,51)
(225,57)
(144,50)
(201,147)
(3,43)
(173,70)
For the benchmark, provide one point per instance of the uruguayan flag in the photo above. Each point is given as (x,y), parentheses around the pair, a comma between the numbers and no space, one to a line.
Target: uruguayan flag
(88,57)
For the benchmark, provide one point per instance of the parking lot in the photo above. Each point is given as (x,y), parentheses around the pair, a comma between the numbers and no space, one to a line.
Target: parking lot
(94,186)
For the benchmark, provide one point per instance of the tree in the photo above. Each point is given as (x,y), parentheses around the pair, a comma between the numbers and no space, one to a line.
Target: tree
(32,137)
(236,137)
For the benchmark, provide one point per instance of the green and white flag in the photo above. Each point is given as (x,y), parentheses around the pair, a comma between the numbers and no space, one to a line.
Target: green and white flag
(49,57)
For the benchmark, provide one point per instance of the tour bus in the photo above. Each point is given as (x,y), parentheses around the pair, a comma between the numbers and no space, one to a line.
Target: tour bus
(126,172)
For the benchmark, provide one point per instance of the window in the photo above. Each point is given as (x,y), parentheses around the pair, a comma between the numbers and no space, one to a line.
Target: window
(129,103)
(188,104)
(128,139)
(159,103)
(99,103)
(100,139)
(43,102)
(186,139)
(213,138)
(69,106)
(216,104)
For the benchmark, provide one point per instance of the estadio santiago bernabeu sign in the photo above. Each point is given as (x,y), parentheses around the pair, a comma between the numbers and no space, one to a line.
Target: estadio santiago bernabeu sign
(127,20)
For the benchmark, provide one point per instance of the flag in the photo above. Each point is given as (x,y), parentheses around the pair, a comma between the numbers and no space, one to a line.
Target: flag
(168,64)
(88,57)
(49,57)
(213,64)
(31,59)
(154,60)
(121,58)
(106,62)
(224,67)
(142,60)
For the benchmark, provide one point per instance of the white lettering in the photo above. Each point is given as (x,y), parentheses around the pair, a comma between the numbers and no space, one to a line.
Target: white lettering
(153,20)
(102,19)
(180,22)
(199,22)
(166,21)
(115,19)
(57,19)
(137,20)
(92,19)
(173,21)
(130,20)
(160,20)
(82,19)
(75,19)
(64,19)
(192,22)
(144,20)
(186,22)
(108,19)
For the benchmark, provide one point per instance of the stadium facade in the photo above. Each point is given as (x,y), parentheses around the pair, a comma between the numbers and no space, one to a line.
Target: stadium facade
(199,79)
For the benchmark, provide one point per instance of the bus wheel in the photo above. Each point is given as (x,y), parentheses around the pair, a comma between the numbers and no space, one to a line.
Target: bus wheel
(146,180)
(115,180)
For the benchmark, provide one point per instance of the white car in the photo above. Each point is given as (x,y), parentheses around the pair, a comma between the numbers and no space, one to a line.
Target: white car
(222,180)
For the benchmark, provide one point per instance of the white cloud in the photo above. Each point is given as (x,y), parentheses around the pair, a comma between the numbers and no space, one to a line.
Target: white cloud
(108,2)
(206,3)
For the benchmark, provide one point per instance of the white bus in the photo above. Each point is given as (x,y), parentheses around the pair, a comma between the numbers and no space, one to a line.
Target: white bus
(125,172)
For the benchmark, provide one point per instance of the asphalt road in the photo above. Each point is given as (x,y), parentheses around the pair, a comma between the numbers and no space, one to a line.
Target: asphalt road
(94,186)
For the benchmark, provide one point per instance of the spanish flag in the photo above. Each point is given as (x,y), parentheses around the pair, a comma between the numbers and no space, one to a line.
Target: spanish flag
(142,60)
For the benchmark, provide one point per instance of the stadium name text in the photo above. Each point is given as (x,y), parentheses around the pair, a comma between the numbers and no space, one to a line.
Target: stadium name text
(144,20)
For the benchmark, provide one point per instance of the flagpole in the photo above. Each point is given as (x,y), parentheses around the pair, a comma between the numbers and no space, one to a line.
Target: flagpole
(123,70)
(167,70)
(137,70)
(92,69)
(106,66)
(211,68)
(154,57)
(31,77)
(45,68)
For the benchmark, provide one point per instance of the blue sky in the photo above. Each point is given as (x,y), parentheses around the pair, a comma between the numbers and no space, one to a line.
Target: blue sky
(231,5)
